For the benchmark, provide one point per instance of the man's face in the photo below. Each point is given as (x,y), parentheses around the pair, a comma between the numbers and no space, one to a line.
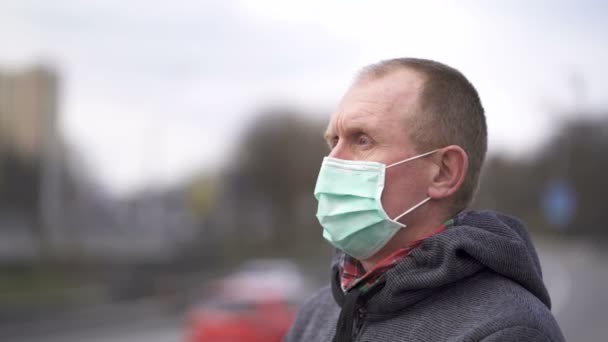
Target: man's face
(370,124)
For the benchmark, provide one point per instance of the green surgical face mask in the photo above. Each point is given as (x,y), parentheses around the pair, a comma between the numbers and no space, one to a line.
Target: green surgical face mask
(350,208)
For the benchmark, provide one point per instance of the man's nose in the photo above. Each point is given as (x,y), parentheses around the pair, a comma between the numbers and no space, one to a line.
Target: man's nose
(340,151)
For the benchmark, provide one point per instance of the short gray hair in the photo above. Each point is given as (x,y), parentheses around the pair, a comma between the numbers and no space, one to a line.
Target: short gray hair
(450,114)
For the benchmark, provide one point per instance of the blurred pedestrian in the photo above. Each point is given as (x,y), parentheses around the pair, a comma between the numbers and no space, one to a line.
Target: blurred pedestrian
(407,143)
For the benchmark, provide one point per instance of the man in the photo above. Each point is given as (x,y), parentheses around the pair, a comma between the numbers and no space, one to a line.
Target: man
(407,144)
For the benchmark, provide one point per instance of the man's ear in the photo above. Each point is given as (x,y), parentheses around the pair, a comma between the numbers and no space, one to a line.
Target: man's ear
(452,165)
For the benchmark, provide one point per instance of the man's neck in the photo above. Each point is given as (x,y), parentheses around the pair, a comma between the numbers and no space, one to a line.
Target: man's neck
(406,237)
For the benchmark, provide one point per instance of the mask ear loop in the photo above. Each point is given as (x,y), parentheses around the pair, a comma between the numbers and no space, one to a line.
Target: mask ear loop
(426,199)
(412,209)
(413,158)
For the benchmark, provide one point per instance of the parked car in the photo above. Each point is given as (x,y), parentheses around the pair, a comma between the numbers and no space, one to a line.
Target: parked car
(256,303)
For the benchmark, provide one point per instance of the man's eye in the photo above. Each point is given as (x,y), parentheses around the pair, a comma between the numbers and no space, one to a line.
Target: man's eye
(363,141)
(333,142)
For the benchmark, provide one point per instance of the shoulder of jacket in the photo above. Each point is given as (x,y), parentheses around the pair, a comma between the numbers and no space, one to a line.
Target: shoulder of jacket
(520,333)
(322,299)
(316,317)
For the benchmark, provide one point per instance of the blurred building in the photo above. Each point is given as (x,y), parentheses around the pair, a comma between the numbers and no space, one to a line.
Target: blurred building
(28,111)
(31,158)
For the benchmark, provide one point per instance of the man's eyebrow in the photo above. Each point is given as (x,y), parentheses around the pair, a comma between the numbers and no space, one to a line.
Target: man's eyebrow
(350,129)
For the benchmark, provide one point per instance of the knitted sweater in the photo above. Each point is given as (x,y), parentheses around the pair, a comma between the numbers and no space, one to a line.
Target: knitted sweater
(480,280)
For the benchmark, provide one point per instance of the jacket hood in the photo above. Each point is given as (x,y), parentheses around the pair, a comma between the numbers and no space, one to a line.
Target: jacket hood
(477,241)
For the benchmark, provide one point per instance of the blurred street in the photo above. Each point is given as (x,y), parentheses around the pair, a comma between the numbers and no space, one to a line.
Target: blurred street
(141,321)
(575,273)
(157,331)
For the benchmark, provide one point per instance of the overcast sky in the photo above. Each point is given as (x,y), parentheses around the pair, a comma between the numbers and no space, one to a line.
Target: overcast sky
(153,90)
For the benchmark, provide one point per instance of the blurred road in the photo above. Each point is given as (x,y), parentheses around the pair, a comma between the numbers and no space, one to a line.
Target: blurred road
(147,320)
(576,273)
(159,330)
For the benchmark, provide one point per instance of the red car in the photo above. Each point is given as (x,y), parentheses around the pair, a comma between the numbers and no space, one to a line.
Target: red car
(255,304)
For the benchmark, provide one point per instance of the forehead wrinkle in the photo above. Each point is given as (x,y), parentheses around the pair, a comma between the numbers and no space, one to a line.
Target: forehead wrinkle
(366,110)
(363,120)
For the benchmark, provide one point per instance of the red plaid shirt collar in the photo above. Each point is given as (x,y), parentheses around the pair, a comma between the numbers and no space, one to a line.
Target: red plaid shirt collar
(354,274)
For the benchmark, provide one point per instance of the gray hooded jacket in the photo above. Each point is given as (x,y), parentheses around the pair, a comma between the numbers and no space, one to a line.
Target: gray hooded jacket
(479,280)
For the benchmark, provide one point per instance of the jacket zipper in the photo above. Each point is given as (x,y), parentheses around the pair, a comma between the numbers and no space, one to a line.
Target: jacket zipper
(358,324)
